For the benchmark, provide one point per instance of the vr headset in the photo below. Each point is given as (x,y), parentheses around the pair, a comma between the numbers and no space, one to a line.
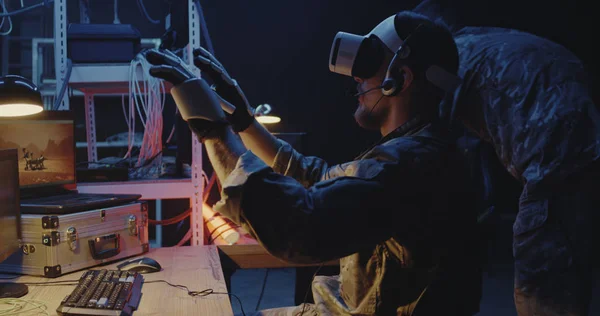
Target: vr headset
(362,55)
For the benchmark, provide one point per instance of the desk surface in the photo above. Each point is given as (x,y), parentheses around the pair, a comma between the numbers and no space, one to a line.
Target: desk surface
(197,267)
(255,256)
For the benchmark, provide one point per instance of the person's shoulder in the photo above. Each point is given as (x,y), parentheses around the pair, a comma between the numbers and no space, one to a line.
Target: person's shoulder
(429,140)
(509,39)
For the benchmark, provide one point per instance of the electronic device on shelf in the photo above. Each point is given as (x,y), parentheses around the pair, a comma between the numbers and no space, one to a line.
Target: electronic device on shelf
(104,292)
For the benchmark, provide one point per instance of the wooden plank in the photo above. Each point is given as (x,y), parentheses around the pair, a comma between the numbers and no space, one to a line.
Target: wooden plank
(197,267)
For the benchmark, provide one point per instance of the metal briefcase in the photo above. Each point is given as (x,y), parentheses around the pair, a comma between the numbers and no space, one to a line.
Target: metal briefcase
(53,245)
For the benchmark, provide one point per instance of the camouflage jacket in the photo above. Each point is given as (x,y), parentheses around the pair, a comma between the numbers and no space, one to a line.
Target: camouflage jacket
(529,97)
(392,216)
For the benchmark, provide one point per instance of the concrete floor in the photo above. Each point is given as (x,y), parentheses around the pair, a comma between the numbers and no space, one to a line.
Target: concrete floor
(497,292)
(279,291)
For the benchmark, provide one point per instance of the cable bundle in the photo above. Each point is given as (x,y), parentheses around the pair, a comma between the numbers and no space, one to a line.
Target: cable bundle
(7,17)
(147,99)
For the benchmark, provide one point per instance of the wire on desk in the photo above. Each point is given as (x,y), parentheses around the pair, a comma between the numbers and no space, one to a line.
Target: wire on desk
(9,278)
(17,306)
(183,287)
(199,293)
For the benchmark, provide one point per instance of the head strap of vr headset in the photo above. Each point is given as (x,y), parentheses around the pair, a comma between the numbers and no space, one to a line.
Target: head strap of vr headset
(394,78)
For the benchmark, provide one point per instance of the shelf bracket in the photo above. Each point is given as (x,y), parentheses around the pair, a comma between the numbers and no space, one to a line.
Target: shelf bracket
(197,222)
(90,126)
(60,50)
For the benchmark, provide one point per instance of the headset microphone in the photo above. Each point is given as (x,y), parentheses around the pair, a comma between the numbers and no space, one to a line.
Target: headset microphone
(369,90)
(386,85)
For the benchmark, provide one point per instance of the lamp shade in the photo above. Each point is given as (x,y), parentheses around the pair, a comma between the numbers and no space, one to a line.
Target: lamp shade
(268,119)
(261,114)
(19,96)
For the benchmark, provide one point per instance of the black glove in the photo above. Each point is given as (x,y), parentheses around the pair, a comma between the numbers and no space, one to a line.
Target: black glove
(198,104)
(227,88)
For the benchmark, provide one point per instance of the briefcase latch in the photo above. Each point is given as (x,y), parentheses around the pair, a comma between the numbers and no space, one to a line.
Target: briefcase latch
(72,237)
(132,225)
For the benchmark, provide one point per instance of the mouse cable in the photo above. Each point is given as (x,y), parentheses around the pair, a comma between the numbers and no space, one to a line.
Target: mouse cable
(205,292)
(262,290)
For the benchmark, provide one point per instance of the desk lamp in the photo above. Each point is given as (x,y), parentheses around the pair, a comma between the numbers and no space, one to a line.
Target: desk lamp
(262,116)
(19,97)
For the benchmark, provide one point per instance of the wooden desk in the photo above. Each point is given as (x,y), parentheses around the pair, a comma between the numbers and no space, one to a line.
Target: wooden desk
(248,254)
(255,256)
(197,267)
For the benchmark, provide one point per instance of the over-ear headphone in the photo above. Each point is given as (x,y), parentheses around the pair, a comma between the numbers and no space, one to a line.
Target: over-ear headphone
(394,77)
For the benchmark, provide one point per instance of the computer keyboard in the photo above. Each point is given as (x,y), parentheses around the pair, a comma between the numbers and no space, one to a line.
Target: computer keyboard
(104,292)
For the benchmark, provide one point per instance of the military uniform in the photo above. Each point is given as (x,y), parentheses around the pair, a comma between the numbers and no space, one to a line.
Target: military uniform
(397,216)
(529,97)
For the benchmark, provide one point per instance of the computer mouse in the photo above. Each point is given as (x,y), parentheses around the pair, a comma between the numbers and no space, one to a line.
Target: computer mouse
(140,265)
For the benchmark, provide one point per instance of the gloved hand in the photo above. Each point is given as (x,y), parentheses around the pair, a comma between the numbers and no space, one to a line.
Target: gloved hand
(197,102)
(227,88)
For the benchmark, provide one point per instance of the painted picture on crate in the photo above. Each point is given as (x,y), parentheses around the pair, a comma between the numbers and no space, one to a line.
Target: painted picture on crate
(46,150)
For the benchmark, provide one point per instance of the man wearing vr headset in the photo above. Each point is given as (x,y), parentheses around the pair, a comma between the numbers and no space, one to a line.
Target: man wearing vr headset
(530,98)
(398,217)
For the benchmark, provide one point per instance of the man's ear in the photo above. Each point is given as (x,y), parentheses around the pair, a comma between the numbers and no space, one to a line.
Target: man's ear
(408,76)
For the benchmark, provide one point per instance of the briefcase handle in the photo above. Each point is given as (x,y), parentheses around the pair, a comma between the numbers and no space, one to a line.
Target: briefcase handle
(100,242)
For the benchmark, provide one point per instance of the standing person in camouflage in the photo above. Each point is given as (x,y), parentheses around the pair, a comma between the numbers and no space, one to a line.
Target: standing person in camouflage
(529,97)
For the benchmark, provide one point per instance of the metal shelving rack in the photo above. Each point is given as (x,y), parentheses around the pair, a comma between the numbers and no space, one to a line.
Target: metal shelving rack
(100,79)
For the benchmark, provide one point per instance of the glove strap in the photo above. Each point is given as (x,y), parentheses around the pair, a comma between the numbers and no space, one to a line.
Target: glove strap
(206,129)
(241,121)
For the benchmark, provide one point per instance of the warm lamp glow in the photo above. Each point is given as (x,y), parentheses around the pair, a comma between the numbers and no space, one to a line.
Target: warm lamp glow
(19,97)
(19,109)
(268,119)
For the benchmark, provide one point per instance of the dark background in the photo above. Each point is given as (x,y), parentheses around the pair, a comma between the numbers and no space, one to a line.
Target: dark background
(278,51)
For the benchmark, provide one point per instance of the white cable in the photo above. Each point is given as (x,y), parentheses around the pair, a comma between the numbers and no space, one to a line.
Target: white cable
(146,98)
(18,306)
(130,126)
(10,24)
(116,9)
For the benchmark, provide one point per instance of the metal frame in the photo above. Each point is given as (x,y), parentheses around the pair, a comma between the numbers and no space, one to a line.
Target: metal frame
(90,127)
(60,49)
(197,221)
(149,189)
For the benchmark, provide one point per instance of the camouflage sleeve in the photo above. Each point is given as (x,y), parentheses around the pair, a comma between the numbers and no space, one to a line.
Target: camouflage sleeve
(307,170)
(306,225)
(291,163)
